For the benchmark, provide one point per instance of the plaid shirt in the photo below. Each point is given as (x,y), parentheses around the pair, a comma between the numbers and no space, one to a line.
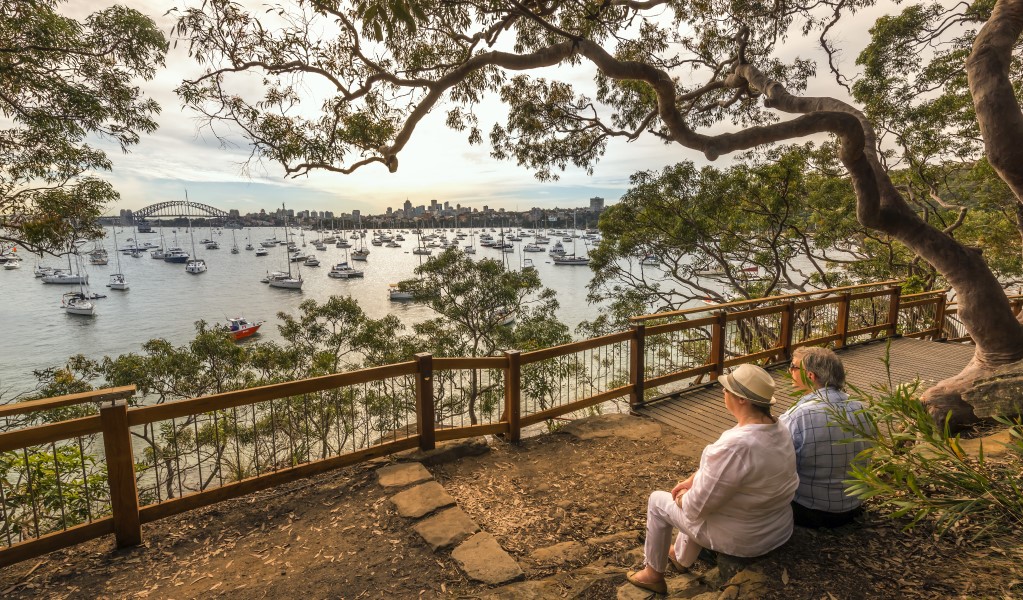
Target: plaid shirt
(822,461)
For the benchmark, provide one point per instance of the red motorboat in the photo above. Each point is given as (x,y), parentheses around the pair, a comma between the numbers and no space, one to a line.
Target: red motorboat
(239,328)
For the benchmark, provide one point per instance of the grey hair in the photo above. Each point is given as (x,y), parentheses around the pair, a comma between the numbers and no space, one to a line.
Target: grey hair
(823,363)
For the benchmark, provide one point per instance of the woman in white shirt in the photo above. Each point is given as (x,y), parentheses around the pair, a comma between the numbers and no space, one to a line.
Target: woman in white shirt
(737,502)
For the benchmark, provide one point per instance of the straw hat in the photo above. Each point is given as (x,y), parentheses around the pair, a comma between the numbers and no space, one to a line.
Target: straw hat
(750,382)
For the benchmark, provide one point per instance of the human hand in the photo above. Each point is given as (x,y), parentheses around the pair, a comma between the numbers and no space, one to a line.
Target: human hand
(680,489)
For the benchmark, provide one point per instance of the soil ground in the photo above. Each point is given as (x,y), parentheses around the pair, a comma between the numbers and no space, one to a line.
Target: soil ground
(337,536)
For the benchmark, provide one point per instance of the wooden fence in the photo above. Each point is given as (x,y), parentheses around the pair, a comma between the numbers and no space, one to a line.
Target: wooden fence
(113,471)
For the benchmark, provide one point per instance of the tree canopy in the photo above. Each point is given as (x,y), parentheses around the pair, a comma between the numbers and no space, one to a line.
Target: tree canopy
(707,76)
(63,85)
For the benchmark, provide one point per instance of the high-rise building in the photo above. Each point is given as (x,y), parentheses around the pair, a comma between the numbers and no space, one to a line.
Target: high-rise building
(407,206)
(596,204)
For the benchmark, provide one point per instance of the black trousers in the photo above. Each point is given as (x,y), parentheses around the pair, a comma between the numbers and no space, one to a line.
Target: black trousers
(815,519)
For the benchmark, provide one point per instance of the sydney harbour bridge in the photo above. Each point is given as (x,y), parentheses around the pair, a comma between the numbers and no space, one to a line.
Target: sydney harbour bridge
(179,209)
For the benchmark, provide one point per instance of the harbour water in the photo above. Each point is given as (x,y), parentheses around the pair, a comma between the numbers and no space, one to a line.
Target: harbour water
(164,301)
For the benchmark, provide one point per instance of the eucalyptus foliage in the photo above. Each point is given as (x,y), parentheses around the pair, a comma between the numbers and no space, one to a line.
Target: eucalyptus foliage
(64,84)
(916,469)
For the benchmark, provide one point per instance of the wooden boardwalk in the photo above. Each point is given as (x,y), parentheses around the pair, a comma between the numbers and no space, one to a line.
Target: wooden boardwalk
(699,412)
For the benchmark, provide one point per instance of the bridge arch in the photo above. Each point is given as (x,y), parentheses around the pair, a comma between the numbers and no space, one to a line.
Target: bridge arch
(180,208)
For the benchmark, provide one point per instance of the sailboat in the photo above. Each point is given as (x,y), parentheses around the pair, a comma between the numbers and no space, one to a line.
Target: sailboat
(194,265)
(117,280)
(281,280)
(362,252)
(79,303)
(234,245)
(420,248)
(157,253)
(471,247)
(248,241)
(570,259)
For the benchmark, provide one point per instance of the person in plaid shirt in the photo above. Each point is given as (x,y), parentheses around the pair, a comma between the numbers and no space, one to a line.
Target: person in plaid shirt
(823,455)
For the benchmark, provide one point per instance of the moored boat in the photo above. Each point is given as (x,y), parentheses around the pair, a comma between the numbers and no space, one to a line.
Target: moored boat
(396,293)
(240,328)
(77,303)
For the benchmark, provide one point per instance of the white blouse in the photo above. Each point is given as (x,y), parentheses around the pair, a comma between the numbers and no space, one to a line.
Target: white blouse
(739,500)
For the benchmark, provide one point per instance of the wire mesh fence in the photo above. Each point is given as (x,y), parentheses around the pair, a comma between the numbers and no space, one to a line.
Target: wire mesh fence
(746,335)
(185,455)
(52,487)
(813,320)
(674,350)
(465,397)
(557,381)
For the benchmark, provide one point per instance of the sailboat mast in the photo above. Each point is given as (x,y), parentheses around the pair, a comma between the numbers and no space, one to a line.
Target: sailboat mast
(287,248)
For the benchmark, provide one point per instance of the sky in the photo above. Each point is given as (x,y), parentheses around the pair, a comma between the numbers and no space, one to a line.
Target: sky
(438,163)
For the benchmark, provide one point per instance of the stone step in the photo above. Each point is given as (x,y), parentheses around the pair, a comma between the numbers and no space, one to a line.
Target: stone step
(421,500)
(402,475)
(482,559)
(447,528)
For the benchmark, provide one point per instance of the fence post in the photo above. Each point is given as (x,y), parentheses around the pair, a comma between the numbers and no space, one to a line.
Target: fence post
(939,318)
(513,393)
(842,325)
(893,311)
(124,497)
(717,344)
(637,364)
(425,418)
(785,336)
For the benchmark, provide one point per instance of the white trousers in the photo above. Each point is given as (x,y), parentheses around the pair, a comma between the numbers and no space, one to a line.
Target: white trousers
(662,514)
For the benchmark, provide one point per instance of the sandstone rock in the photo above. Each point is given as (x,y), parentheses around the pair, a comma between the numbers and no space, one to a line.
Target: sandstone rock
(446,529)
(729,565)
(1001,393)
(747,584)
(994,444)
(446,452)
(559,554)
(421,500)
(634,557)
(680,586)
(401,475)
(629,536)
(576,584)
(618,425)
(482,559)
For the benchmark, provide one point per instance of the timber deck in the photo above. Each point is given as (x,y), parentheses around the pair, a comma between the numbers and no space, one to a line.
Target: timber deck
(699,412)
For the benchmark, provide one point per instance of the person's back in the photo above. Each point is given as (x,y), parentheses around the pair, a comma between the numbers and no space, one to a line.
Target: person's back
(824,453)
(754,466)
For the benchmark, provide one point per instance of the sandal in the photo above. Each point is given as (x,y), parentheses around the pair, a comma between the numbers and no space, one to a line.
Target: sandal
(660,587)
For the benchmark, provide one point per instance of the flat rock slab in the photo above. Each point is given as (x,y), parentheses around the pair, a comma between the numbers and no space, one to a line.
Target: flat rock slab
(629,536)
(446,529)
(402,474)
(448,451)
(482,559)
(422,500)
(576,584)
(618,425)
(560,554)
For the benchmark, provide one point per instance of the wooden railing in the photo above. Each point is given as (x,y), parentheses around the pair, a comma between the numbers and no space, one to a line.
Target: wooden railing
(126,466)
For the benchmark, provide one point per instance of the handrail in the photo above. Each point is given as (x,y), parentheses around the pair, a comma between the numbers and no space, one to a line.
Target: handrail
(739,303)
(102,395)
(191,406)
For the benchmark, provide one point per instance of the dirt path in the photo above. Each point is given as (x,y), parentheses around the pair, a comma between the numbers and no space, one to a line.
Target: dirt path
(555,503)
